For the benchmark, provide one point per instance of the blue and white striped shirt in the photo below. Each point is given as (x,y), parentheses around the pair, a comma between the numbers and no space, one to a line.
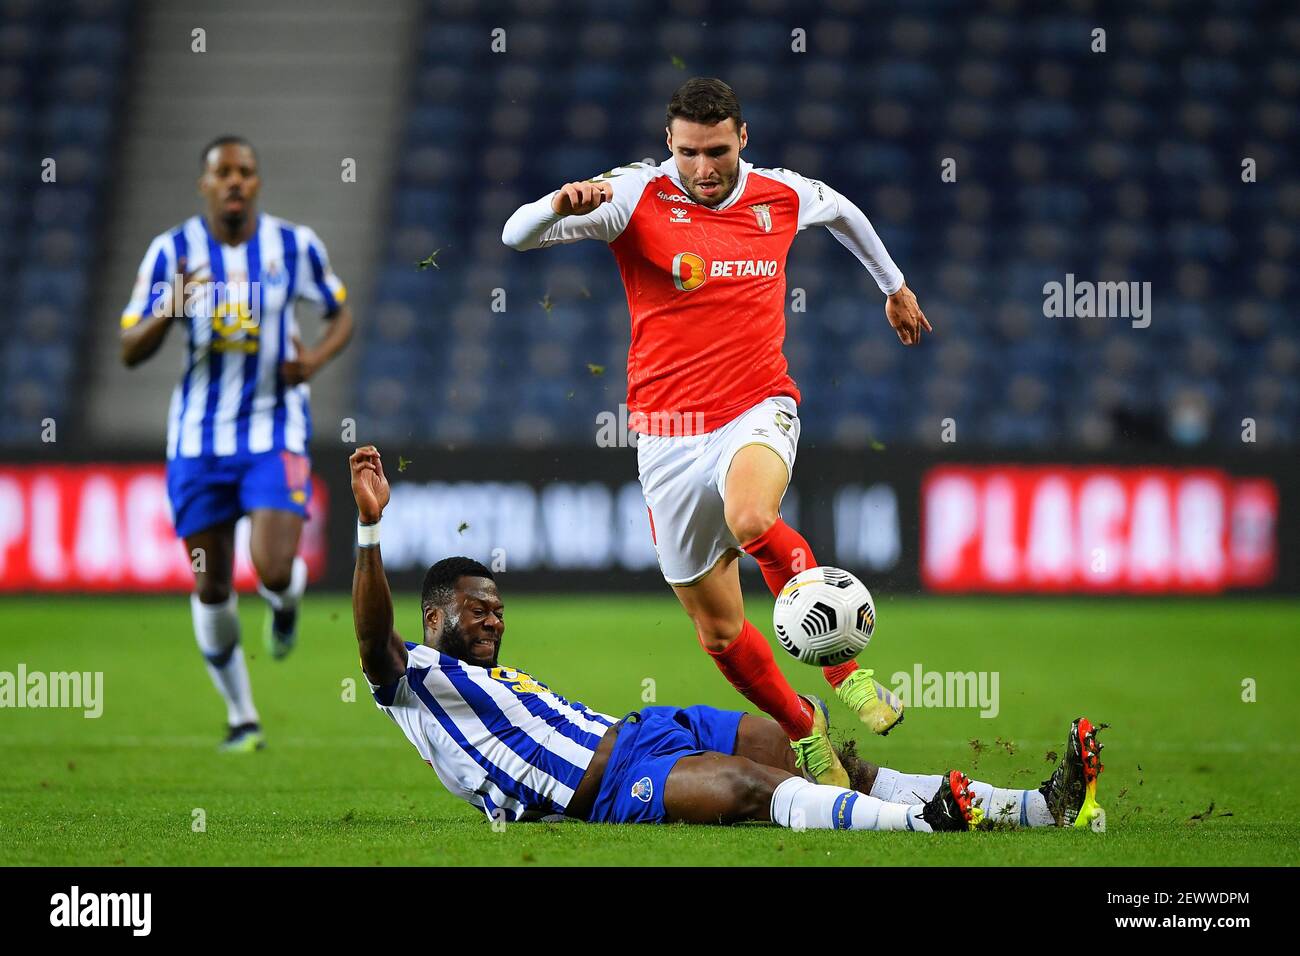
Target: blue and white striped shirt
(231,398)
(497,737)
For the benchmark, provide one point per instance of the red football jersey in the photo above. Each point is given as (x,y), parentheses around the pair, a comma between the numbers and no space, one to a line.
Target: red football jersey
(705,286)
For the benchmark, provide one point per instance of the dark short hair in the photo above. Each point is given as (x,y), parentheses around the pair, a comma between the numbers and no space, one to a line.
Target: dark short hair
(229,139)
(440,580)
(704,99)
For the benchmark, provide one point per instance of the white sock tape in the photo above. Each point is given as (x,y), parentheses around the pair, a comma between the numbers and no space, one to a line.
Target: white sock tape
(367,535)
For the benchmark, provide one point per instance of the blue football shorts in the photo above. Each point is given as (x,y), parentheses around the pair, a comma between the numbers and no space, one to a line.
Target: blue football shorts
(649,744)
(210,490)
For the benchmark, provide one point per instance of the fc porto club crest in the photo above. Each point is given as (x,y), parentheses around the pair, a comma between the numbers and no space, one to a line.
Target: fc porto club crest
(643,789)
(763,213)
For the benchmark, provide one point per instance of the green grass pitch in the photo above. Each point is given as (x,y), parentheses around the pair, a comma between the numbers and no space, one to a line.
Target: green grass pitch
(339,784)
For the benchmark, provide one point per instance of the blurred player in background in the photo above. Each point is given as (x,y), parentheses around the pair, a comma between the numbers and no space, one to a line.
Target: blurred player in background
(239,422)
(701,243)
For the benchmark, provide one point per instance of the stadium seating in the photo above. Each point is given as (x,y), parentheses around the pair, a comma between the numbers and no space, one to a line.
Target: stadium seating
(1122,166)
(62,73)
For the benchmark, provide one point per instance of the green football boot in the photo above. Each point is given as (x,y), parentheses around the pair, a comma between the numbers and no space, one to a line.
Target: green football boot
(244,739)
(875,706)
(814,754)
(1071,791)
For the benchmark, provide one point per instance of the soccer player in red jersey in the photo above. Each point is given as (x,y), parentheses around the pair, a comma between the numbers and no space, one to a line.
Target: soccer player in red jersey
(701,243)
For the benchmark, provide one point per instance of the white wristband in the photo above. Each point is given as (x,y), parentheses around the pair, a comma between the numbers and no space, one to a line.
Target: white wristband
(367,534)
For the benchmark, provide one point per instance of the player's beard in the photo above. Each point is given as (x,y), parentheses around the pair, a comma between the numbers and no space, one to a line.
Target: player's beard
(726,184)
(453,641)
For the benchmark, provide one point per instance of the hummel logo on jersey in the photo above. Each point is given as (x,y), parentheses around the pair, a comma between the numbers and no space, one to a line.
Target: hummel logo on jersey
(680,215)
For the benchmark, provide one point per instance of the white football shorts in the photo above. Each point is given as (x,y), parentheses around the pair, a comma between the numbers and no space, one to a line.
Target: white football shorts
(684,481)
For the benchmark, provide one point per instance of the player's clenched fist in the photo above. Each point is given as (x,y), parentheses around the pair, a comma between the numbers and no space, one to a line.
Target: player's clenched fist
(369,486)
(578,199)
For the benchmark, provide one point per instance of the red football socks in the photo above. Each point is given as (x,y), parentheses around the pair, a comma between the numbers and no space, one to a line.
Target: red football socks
(835,676)
(781,553)
(748,663)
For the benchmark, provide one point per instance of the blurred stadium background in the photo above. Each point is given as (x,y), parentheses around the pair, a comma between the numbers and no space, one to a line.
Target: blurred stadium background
(1070,434)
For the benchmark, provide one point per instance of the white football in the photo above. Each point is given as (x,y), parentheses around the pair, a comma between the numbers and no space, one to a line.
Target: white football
(824,616)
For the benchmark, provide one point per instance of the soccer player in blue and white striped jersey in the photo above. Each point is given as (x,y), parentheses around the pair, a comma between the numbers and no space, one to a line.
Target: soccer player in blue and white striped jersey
(239,421)
(505,742)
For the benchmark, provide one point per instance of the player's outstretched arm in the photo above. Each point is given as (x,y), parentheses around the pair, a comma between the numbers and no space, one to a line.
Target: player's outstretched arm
(854,231)
(820,205)
(571,213)
(596,208)
(383,654)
